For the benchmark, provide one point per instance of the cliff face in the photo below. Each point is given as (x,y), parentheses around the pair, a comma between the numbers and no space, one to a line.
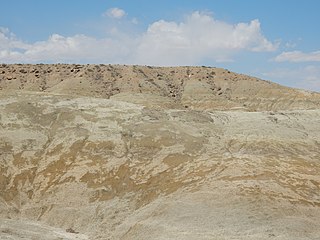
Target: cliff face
(129,152)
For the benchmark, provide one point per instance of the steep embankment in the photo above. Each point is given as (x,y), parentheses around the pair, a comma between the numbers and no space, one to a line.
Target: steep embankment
(142,165)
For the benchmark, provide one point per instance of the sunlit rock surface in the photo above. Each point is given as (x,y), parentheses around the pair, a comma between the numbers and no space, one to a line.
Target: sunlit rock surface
(131,152)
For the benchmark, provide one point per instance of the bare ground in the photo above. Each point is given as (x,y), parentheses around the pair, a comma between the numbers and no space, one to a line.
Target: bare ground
(132,161)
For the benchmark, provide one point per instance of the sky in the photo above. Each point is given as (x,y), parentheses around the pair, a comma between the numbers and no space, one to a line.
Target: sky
(276,40)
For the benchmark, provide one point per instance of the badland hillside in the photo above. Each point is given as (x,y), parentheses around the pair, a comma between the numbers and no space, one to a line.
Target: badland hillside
(138,152)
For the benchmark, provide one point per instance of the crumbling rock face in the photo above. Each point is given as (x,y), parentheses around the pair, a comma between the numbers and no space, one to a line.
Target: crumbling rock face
(129,152)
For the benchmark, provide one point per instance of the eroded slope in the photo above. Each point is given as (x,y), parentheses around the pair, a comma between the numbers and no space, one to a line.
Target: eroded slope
(198,88)
(110,169)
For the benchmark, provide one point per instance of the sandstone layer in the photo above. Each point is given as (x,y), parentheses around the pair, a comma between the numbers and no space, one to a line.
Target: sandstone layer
(133,152)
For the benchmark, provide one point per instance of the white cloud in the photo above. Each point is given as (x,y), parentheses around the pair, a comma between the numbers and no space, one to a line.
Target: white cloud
(57,48)
(9,41)
(117,13)
(298,56)
(197,39)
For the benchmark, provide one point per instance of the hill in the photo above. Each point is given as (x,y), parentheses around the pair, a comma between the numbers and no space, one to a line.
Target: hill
(200,88)
(134,152)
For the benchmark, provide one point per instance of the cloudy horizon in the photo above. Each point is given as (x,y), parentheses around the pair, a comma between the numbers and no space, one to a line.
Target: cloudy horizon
(198,37)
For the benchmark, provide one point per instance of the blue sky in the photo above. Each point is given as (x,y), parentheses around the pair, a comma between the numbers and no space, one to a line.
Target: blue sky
(276,40)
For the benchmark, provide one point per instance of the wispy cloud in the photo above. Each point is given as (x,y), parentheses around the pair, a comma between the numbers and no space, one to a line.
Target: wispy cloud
(199,37)
(307,77)
(298,56)
(117,13)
